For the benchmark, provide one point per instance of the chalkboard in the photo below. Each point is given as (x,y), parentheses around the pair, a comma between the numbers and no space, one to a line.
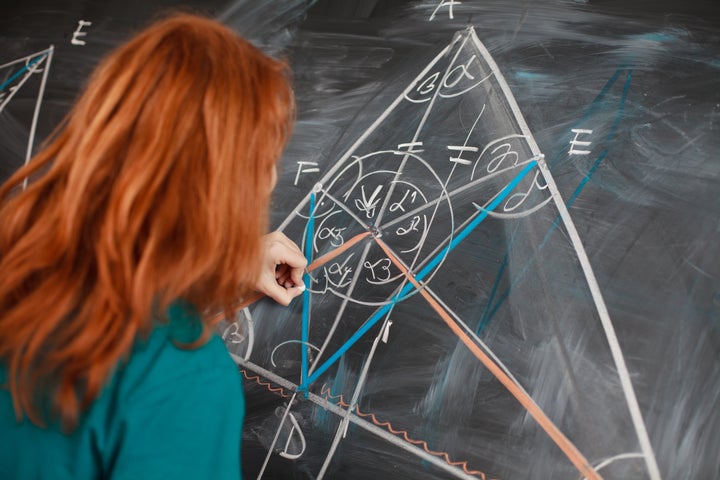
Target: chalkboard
(512,215)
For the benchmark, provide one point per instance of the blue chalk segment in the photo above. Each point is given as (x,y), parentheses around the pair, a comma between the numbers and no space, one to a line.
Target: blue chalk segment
(419,276)
(477,221)
(484,319)
(21,71)
(610,136)
(306,293)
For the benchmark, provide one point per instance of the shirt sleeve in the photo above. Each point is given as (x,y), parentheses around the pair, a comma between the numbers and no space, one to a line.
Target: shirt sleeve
(185,423)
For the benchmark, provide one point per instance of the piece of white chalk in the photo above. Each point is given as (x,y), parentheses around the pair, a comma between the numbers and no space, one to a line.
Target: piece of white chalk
(300,287)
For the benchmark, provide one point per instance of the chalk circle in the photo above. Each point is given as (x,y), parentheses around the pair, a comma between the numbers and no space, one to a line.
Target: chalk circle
(400,198)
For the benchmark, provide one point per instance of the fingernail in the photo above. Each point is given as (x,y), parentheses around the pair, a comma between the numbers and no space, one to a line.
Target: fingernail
(300,287)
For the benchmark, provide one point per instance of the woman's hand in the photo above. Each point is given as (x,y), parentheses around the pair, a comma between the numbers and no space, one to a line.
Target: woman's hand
(283,266)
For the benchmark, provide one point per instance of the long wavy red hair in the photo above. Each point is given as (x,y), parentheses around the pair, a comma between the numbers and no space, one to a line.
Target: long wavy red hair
(155,188)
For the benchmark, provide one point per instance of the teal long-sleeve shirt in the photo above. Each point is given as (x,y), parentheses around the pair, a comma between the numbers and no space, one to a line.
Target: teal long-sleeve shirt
(167,413)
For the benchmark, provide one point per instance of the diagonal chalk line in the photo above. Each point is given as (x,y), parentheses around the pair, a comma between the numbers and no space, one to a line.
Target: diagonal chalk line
(614,344)
(20,72)
(379,120)
(491,309)
(567,447)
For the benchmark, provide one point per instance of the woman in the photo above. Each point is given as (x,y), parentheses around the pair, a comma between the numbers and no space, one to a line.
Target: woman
(121,240)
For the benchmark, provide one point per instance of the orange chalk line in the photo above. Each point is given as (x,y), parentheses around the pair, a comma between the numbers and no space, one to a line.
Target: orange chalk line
(268,385)
(525,400)
(325,392)
(322,260)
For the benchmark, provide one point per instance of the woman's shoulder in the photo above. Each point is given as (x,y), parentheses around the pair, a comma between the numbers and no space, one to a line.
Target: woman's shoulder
(168,357)
(167,412)
(172,410)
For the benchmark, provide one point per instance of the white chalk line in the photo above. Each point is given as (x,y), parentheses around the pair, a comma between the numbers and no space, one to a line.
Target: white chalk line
(455,192)
(341,161)
(26,76)
(27,57)
(364,424)
(342,428)
(38,103)
(623,372)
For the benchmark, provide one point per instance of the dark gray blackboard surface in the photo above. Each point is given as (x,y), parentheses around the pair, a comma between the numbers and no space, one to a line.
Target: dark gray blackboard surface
(640,81)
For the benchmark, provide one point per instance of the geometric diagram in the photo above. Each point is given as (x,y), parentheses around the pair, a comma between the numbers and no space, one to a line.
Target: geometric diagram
(388,340)
(15,76)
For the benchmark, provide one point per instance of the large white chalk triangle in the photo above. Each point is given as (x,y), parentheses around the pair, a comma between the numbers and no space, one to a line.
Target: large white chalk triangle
(22,87)
(405,233)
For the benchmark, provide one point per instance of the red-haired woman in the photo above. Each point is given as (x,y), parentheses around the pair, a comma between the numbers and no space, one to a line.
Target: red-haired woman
(121,240)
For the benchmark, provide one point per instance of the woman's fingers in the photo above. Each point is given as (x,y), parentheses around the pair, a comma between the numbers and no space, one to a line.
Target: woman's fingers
(283,268)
